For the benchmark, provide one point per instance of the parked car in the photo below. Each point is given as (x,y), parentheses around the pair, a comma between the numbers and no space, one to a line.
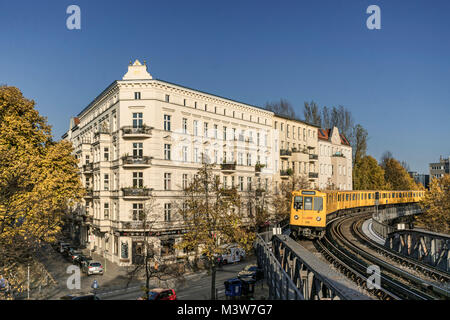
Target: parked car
(252,271)
(82,260)
(93,267)
(74,255)
(232,254)
(161,294)
(63,246)
(80,297)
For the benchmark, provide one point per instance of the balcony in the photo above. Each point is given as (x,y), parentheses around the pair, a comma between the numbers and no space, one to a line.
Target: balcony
(285,153)
(87,168)
(133,225)
(313,175)
(228,166)
(258,168)
(134,192)
(313,157)
(89,193)
(134,162)
(259,192)
(138,132)
(286,173)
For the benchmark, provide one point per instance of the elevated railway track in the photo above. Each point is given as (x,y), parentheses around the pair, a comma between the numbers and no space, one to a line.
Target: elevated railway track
(350,257)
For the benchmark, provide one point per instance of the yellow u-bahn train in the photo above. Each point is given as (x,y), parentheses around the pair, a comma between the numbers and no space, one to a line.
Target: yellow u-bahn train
(311,209)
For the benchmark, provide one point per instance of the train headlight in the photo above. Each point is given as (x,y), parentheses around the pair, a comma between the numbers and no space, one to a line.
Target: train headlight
(318,218)
(296,217)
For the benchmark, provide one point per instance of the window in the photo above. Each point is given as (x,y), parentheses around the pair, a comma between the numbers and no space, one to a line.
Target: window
(224,133)
(257,139)
(106,154)
(206,107)
(249,183)
(195,104)
(249,159)
(225,182)
(166,122)
(87,159)
(298,203)
(138,211)
(167,151)
(308,203)
(240,159)
(185,154)
(184,102)
(185,128)
(167,181)
(185,181)
(106,182)
(195,127)
(215,131)
(216,156)
(137,150)
(106,210)
(137,96)
(241,183)
(167,212)
(205,129)
(167,98)
(196,155)
(138,180)
(137,120)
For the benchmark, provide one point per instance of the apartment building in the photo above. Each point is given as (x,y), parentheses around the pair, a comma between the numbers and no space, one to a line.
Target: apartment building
(439,169)
(143,136)
(298,146)
(335,160)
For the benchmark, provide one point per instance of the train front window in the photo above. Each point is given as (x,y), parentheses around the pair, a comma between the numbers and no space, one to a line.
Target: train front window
(308,203)
(318,204)
(298,203)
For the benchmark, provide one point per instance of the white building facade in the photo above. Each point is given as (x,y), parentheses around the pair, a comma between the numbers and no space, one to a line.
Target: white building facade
(335,160)
(144,136)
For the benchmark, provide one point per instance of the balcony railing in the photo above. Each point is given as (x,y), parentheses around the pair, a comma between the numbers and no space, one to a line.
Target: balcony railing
(87,167)
(285,153)
(136,192)
(228,166)
(313,157)
(285,173)
(131,160)
(136,131)
(313,175)
(89,193)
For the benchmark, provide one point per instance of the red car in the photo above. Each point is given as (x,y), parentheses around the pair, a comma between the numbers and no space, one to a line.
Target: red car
(161,294)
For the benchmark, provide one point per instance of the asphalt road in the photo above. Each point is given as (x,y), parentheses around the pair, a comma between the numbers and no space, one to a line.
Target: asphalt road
(198,289)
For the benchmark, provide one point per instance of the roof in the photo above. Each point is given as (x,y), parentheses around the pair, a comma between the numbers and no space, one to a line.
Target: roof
(294,119)
(324,134)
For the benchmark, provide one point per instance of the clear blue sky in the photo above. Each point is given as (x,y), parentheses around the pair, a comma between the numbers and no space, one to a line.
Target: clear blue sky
(396,81)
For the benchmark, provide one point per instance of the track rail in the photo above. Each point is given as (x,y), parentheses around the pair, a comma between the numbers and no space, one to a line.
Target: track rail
(354,261)
(430,272)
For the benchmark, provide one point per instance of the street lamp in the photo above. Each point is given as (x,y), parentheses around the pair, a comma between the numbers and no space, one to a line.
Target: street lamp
(95,286)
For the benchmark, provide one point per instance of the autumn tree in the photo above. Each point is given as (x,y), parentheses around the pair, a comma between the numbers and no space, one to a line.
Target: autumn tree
(396,175)
(38,180)
(282,107)
(311,113)
(213,217)
(436,206)
(258,202)
(368,175)
(283,196)
(147,258)
(359,146)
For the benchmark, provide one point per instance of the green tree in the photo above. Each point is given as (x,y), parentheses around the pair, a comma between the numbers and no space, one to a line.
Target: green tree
(212,216)
(396,175)
(436,206)
(368,175)
(38,180)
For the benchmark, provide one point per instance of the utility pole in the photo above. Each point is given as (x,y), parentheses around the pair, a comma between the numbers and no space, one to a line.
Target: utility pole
(28,277)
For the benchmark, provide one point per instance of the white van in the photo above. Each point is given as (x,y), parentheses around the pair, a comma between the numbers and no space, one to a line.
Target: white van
(232,254)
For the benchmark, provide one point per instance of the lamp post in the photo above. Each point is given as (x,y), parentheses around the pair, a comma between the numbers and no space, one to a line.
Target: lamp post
(95,286)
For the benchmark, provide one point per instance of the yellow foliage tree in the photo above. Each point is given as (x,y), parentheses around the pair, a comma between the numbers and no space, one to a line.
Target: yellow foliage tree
(38,179)
(368,175)
(436,206)
(212,215)
(397,177)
